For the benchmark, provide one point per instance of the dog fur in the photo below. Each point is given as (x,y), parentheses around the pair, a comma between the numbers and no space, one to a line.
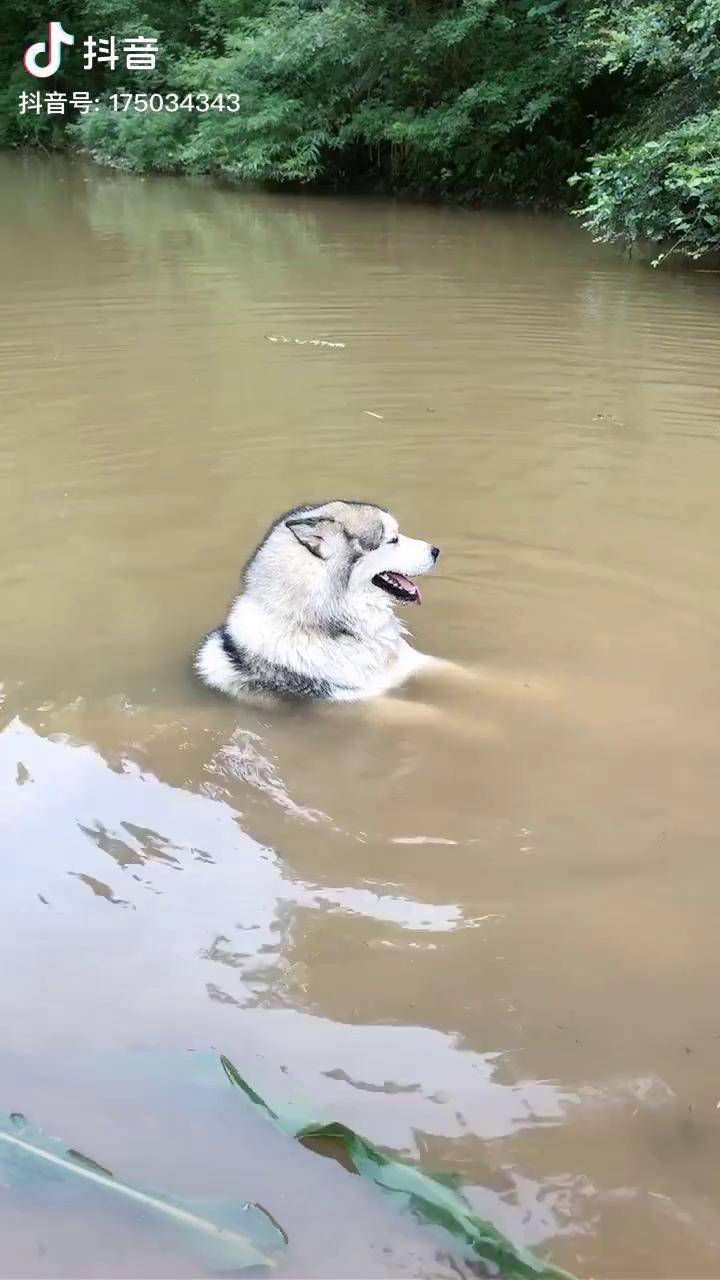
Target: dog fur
(312,620)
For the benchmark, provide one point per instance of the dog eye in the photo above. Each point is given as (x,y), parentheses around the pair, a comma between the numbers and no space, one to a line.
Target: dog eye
(392,541)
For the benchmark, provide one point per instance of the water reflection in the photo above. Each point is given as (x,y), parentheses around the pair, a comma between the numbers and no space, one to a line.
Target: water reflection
(73,823)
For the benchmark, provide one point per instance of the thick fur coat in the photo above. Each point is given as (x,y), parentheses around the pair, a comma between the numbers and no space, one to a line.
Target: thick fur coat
(315,617)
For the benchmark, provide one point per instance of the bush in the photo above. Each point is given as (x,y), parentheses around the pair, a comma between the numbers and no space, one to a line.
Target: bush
(467,99)
(666,191)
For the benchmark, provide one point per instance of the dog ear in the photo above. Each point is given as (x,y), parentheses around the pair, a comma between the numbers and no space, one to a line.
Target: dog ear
(314,532)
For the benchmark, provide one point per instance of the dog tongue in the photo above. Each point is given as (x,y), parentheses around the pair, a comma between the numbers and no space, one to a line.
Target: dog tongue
(406,584)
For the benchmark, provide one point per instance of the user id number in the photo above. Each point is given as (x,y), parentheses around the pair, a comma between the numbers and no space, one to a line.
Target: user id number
(175,102)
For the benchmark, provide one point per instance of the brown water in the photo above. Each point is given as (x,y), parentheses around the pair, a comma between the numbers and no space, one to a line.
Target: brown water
(489,942)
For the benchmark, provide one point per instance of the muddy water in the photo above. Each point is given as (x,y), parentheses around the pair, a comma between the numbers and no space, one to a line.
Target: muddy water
(486,937)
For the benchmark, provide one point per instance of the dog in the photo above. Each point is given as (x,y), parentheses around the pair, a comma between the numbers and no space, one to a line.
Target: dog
(315,618)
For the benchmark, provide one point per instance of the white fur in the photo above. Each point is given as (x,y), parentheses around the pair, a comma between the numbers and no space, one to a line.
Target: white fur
(302,611)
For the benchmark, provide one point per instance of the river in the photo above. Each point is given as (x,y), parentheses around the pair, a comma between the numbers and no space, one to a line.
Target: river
(488,939)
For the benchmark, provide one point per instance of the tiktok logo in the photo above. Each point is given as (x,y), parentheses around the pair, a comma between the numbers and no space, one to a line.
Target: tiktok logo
(57,37)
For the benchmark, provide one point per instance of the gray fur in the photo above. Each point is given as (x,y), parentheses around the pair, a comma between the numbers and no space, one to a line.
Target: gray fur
(313,619)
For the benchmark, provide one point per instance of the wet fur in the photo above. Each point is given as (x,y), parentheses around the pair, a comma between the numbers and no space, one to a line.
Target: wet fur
(309,623)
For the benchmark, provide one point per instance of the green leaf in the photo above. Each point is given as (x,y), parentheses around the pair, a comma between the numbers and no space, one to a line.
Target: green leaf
(251,1239)
(432,1199)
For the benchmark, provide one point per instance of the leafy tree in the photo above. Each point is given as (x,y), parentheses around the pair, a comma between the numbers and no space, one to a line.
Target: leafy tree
(467,99)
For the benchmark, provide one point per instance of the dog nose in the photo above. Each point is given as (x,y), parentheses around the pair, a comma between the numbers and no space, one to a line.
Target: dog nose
(434,552)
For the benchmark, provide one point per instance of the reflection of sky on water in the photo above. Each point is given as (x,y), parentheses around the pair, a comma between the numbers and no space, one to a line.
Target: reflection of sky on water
(139,915)
(74,827)
(50,787)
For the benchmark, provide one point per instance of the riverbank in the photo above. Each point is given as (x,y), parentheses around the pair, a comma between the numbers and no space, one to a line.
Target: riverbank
(478,102)
(668,255)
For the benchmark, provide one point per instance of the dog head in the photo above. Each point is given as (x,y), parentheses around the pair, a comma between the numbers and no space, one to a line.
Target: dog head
(334,558)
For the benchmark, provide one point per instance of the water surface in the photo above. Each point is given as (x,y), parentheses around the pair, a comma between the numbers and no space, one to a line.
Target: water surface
(487,937)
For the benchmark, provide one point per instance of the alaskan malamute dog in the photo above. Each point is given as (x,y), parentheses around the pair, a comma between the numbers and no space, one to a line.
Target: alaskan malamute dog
(315,617)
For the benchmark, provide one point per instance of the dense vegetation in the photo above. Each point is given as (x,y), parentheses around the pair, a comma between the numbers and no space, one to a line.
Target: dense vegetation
(465,99)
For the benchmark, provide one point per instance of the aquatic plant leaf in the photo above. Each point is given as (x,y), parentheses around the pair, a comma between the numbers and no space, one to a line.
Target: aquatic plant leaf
(238,1235)
(435,1200)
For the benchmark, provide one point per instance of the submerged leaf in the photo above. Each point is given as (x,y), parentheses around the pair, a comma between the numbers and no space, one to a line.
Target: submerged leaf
(437,1200)
(251,1240)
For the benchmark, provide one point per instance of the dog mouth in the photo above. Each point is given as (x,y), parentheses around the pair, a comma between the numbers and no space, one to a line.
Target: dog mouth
(398,586)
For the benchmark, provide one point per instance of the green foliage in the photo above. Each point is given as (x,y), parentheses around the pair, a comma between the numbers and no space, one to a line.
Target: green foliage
(665,190)
(661,180)
(467,99)
(434,1199)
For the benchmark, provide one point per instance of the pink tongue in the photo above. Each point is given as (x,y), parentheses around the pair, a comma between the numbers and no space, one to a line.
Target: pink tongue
(406,583)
